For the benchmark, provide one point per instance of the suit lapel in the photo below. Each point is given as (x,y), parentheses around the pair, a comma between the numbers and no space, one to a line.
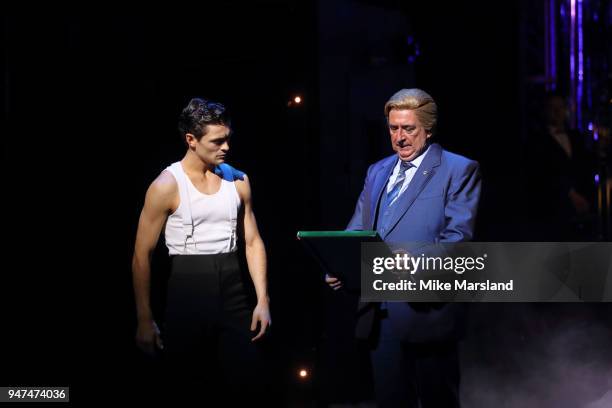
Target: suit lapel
(380,181)
(423,174)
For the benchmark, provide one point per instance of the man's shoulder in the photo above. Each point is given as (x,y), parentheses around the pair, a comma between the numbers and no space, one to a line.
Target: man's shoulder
(389,160)
(162,192)
(164,184)
(229,173)
(455,160)
(238,177)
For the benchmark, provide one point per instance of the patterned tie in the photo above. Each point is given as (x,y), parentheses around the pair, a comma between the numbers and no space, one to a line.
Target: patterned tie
(397,186)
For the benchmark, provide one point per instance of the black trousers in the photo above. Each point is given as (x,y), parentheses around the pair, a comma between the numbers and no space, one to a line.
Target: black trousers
(409,374)
(207,338)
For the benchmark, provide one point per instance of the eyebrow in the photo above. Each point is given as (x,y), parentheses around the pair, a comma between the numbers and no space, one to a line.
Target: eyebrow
(219,139)
(403,126)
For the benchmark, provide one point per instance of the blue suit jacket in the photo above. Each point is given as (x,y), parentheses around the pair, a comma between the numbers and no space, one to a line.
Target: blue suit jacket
(439,205)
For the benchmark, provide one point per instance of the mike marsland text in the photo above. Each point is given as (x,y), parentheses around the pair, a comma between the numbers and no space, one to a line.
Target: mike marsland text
(437,285)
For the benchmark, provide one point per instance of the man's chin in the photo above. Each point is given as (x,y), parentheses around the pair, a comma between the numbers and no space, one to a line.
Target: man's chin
(406,156)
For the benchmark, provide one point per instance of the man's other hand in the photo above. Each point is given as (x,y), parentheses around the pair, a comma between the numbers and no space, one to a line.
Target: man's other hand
(148,337)
(333,282)
(261,314)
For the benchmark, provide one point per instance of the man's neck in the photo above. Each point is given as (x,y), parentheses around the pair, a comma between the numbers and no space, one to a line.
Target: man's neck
(193,164)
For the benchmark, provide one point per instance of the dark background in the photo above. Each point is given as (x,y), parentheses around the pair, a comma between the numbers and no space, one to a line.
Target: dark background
(91,101)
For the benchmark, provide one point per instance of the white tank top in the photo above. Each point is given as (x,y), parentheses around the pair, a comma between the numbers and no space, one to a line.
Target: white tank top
(202,223)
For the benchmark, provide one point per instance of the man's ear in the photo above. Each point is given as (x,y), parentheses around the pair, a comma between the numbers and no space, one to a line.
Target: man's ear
(190,139)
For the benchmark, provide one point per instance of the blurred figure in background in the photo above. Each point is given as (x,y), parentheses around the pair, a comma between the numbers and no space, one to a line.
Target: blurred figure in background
(559,177)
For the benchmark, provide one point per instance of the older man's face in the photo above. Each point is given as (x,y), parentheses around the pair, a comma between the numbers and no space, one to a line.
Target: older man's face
(408,137)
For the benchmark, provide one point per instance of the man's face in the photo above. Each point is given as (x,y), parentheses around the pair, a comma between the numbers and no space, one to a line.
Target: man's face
(408,137)
(213,146)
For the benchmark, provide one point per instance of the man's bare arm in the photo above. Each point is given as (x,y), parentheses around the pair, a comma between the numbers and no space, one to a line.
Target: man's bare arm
(256,259)
(159,201)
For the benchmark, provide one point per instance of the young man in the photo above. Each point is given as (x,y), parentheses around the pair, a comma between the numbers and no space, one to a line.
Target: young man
(205,206)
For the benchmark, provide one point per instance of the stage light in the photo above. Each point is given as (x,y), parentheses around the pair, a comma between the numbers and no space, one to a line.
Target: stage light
(303,373)
(295,101)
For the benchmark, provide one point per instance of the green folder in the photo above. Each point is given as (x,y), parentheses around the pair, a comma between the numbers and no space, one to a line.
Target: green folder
(339,252)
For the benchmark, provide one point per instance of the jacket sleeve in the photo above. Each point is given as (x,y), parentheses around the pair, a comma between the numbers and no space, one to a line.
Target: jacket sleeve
(462,205)
(357,223)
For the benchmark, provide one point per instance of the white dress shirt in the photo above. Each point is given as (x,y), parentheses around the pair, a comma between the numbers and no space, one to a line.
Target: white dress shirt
(409,173)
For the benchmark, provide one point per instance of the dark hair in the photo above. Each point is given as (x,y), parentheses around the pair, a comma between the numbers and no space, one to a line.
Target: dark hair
(198,114)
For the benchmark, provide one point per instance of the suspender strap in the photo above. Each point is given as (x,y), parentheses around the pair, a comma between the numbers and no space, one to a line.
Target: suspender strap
(230,174)
(186,214)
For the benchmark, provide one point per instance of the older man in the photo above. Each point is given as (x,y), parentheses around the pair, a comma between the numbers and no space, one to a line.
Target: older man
(422,193)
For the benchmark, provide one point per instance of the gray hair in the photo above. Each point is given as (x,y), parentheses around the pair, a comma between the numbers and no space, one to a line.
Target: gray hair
(417,100)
